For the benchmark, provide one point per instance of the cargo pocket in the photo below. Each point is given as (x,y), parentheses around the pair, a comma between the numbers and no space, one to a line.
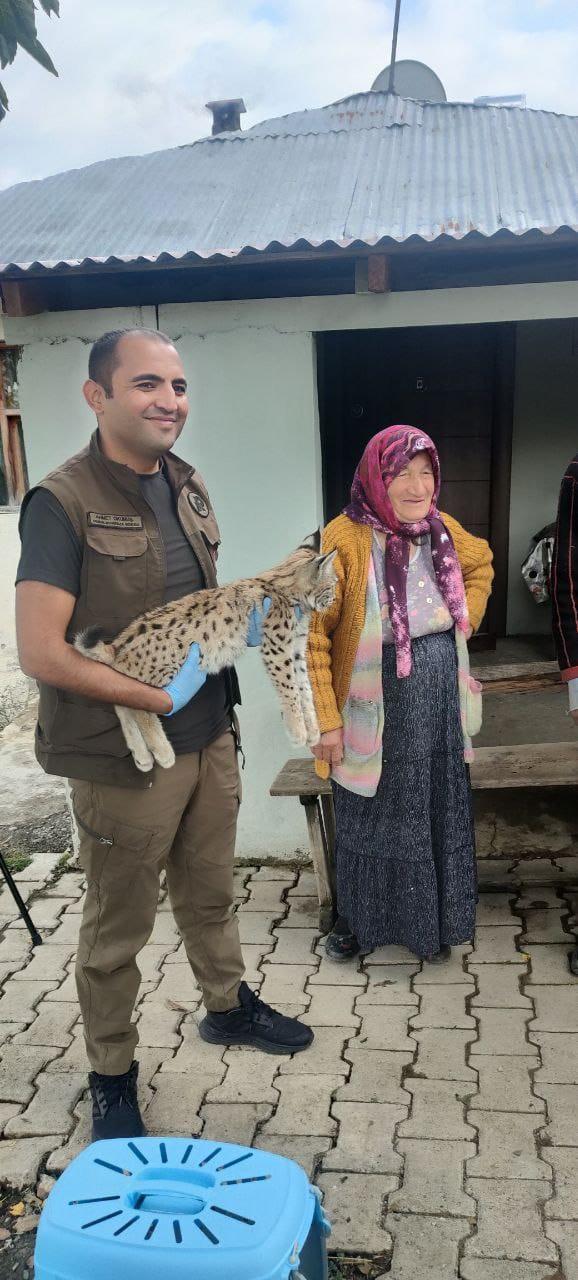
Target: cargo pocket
(116,570)
(107,830)
(112,852)
(473,706)
(364,729)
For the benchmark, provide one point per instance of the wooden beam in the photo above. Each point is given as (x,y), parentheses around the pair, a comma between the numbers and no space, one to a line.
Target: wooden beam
(541,764)
(372,273)
(519,677)
(527,684)
(378,273)
(23,298)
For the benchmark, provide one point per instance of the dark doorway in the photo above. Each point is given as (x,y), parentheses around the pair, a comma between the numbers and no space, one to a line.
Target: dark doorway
(454,382)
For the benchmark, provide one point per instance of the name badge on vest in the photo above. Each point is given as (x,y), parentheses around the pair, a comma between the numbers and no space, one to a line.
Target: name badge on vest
(198,502)
(99,520)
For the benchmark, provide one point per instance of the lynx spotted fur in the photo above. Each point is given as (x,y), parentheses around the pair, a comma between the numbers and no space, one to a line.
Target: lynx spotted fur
(154,646)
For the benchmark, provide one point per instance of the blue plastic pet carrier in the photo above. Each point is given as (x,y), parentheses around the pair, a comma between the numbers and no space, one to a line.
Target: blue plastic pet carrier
(175,1207)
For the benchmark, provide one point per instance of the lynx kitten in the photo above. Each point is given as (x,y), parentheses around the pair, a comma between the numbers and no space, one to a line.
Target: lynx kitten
(154,646)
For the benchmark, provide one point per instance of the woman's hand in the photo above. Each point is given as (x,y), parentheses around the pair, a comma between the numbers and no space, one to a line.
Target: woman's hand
(330,747)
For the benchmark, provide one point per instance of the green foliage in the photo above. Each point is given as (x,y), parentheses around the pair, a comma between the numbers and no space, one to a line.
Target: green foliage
(17,861)
(63,861)
(18,30)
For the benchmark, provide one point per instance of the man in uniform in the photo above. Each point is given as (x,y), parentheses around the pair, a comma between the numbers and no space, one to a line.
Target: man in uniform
(564,592)
(121,527)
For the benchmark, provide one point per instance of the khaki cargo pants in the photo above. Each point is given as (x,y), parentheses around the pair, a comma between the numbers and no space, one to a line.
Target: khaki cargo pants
(185,824)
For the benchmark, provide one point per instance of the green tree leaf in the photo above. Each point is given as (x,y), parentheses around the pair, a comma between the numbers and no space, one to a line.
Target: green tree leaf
(18,30)
(3,102)
(37,51)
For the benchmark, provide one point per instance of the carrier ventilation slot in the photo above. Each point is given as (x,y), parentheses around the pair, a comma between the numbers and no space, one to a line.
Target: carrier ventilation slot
(177,1231)
(163,1151)
(238,1160)
(139,1154)
(115,1167)
(126,1225)
(97,1221)
(187,1153)
(239,1182)
(152,1228)
(208,1159)
(205,1230)
(95,1200)
(226,1213)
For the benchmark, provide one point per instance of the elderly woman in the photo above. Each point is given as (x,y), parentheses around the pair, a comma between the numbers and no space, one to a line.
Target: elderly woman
(390,676)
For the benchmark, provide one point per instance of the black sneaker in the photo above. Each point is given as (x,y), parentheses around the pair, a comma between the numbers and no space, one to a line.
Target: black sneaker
(255,1023)
(573,962)
(341,946)
(115,1109)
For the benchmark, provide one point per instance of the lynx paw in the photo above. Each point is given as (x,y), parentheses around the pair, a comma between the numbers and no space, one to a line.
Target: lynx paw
(166,757)
(297,735)
(144,761)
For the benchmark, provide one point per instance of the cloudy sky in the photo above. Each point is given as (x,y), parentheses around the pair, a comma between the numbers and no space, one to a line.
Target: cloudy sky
(134,75)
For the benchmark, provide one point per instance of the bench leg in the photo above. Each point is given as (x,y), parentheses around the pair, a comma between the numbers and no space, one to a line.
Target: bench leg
(321,865)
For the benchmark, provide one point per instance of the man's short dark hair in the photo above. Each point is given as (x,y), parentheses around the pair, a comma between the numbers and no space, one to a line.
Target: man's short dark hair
(103,358)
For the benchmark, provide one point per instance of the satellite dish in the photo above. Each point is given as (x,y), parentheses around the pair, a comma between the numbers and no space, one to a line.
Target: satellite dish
(412,80)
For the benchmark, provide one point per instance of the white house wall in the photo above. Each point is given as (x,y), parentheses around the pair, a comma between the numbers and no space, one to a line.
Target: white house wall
(14,685)
(253,432)
(53,367)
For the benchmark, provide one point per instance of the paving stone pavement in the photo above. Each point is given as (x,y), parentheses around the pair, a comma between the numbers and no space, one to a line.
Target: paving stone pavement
(437,1108)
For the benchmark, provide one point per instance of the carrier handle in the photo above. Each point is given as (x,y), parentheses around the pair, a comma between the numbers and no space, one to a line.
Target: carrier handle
(183,1192)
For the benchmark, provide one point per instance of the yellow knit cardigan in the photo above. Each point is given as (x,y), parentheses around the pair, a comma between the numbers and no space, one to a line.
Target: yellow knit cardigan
(334,635)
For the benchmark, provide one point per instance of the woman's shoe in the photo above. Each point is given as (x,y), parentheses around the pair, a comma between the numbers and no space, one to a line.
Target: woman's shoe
(438,957)
(341,946)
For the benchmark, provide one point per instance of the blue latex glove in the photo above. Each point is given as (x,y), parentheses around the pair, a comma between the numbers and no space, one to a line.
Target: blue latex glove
(255,628)
(187,681)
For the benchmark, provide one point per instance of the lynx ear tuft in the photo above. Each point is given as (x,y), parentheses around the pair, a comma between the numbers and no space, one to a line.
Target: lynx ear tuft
(325,562)
(312,542)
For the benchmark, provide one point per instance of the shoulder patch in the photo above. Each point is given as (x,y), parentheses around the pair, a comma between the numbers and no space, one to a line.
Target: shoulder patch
(198,502)
(100,520)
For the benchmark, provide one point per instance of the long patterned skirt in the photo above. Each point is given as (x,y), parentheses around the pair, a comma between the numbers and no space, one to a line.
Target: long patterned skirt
(406,868)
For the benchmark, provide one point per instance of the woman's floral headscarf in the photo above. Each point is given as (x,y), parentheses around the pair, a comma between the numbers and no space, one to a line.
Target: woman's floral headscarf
(384,457)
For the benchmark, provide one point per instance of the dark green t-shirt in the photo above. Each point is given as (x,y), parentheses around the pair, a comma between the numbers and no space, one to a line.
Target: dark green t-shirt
(52,553)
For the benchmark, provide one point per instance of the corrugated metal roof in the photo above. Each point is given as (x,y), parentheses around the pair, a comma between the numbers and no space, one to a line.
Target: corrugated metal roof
(366,169)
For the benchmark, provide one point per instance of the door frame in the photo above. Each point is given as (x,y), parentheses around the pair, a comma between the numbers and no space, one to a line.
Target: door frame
(500,464)
(501,472)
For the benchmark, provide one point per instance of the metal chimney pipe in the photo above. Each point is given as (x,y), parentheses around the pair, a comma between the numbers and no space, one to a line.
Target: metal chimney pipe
(227,114)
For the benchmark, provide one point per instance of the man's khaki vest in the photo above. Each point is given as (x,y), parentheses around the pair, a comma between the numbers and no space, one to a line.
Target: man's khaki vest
(122,575)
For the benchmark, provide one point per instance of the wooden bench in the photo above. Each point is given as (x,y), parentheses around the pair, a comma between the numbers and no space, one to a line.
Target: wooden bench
(547,764)
(544,764)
